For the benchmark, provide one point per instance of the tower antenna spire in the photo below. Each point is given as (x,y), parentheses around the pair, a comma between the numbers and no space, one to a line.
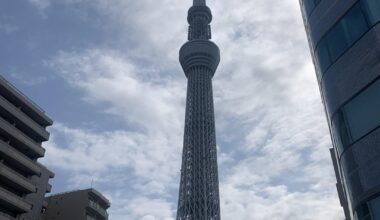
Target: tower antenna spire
(199,2)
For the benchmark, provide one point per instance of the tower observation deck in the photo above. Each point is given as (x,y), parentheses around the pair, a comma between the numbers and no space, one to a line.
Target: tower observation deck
(199,57)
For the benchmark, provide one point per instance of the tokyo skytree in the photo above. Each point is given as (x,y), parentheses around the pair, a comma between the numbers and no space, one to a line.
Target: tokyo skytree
(199,184)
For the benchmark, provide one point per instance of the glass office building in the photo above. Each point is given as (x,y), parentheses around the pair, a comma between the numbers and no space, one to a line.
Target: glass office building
(344,39)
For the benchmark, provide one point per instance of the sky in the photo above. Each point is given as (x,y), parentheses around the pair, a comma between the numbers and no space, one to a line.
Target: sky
(107,73)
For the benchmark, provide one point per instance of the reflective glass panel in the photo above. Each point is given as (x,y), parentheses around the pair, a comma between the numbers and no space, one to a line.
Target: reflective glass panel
(354,24)
(309,6)
(363,112)
(372,8)
(346,32)
(341,136)
(362,213)
(374,207)
(337,41)
(323,56)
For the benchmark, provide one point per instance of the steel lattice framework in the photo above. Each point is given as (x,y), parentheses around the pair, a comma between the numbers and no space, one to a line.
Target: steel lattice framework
(199,185)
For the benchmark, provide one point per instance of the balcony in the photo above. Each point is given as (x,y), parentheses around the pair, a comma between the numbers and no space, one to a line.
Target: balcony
(31,126)
(88,217)
(17,159)
(11,93)
(13,202)
(4,216)
(96,210)
(15,180)
(97,196)
(24,142)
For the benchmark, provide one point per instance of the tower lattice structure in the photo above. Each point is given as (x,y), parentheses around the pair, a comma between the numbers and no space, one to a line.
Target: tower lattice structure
(199,184)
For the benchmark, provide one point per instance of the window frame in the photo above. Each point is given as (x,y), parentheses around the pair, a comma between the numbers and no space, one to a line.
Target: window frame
(343,148)
(364,12)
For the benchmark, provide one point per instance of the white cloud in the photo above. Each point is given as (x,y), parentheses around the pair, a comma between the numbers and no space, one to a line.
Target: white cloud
(146,156)
(143,208)
(151,159)
(8,28)
(122,88)
(35,80)
(40,4)
(130,168)
(276,202)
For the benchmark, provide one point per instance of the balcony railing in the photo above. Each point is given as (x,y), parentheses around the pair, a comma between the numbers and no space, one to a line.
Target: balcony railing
(17,134)
(17,179)
(20,158)
(98,208)
(20,115)
(14,201)
(4,216)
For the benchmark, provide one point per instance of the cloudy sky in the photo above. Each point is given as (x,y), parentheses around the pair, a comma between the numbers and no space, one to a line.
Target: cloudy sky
(107,73)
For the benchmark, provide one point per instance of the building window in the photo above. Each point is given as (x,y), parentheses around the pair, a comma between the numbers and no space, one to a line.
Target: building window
(363,112)
(341,135)
(98,207)
(372,8)
(369,211)
(336,41)
(323,56)
(357,117)
(343,35)
(354,25)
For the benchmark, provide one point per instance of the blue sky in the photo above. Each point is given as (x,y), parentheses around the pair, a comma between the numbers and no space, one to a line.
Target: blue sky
(107,73)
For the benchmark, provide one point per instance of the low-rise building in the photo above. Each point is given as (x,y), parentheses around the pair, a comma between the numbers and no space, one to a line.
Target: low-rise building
(87,204)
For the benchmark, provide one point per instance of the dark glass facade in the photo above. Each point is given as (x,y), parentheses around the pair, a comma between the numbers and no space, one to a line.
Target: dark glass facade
(369,210)
(357,117)
(351,27)
(344,38)
(310,5)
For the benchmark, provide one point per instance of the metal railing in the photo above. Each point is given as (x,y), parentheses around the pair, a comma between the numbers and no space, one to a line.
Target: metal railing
(16,200)
(29,142)
(6,216)
(17,177)
(21,94)
(20,157)
(98,207)
(23,116)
